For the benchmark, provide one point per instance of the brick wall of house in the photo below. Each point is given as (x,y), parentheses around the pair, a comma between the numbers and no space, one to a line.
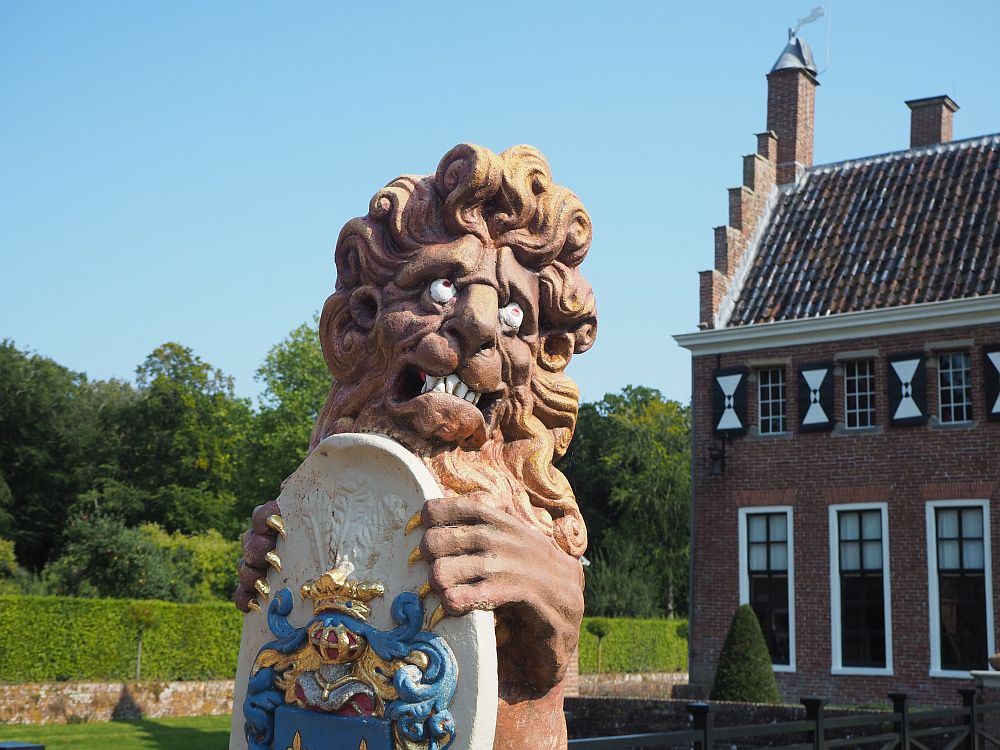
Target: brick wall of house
(903,466)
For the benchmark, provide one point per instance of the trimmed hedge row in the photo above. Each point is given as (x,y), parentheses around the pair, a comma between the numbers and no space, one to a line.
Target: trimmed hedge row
(48,638)
(635,646)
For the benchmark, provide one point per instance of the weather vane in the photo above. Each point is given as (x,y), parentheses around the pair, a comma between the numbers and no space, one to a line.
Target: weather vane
(814,15)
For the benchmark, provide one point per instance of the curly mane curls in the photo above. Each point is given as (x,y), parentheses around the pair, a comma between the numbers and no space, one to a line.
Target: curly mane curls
(506,200)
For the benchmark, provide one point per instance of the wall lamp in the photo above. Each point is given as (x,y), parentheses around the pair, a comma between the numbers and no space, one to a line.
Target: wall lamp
(717,456)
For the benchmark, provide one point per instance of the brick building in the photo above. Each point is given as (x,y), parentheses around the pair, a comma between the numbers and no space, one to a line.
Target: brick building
(846,408)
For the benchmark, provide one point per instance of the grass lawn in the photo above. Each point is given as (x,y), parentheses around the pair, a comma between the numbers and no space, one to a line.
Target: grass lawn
(194,733)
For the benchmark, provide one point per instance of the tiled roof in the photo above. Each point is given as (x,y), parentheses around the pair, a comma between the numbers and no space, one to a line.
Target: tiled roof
(914,226)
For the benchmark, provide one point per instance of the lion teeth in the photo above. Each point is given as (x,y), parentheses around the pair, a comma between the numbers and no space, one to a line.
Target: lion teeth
(450,384)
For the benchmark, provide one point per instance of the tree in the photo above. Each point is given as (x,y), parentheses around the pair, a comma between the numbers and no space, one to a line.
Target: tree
(102,557)
(296,383)
(40,448)
(744,672)
(207,560)
(183,441)
(629,465)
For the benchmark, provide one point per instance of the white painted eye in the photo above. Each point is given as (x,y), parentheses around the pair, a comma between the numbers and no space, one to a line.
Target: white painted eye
(512,315)
(442,290)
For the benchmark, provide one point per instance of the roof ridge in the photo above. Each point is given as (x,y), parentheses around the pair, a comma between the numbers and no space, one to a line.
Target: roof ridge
(935,148)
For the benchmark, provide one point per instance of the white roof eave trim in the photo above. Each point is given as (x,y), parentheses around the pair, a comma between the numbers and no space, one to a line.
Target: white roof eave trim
(924,316)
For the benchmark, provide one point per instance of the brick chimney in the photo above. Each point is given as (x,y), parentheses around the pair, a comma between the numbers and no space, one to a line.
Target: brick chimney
(931,120)
(784,150)
(791,100)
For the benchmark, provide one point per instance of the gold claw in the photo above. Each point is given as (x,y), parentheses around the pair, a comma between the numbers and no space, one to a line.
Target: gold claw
(436,616)
(424,590)
(273,560)
(277,524)
(414,556)
(252,604)
(414,523)
(261,585)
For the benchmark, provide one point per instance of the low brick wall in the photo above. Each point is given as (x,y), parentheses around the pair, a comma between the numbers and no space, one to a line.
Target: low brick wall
(62,702)
(637,685)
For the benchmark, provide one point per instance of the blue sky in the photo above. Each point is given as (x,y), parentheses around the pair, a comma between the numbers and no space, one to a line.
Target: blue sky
(180,171)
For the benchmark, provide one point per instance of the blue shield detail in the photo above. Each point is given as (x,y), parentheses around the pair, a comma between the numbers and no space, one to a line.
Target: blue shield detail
(323,732)
(420,713)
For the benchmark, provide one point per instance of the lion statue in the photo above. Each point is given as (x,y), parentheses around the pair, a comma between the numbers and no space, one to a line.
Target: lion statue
(458,305)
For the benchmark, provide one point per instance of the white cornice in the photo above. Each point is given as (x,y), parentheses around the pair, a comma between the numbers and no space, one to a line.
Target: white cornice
(925,316)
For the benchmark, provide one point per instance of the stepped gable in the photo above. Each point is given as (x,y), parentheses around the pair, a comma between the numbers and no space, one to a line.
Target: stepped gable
(914,226)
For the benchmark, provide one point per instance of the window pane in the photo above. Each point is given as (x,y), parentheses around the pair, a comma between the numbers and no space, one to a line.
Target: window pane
(948,555)
(972,554)
(972,522)
(872,524)
(850,556)
(849,526)
(947,523)
(758,557)
(778,523)
(779,556)
(873,555)
(757,528)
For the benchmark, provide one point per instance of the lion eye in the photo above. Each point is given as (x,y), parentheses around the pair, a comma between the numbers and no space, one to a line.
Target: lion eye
(512,315)
(442,290)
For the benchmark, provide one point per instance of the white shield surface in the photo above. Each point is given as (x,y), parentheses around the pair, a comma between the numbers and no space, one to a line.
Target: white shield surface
(349,501)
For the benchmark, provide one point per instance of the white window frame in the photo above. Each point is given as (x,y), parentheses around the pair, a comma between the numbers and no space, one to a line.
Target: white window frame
(871,394)
(745,573)
(783,401)
(967,405)
(934,595)
(836,657)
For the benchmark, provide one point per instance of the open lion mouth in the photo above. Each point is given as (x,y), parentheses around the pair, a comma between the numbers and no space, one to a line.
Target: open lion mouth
(414,382)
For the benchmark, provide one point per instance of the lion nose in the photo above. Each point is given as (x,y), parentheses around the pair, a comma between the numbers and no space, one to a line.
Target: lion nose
(474,321)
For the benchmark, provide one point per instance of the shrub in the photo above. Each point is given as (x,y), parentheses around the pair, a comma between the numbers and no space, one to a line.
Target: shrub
(744,673)
(46,638)
(631,645)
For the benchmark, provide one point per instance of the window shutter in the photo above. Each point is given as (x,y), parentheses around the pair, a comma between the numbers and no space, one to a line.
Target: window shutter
(729,402)
(816,397)
(991,382)
(907,390)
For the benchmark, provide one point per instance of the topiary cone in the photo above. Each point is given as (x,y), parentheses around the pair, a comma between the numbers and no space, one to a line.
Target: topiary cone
(744,673)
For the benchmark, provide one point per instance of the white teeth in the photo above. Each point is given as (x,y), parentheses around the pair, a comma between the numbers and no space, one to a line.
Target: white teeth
(450,384)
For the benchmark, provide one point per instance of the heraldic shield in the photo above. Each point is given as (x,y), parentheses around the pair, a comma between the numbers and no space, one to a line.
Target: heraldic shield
(352,651)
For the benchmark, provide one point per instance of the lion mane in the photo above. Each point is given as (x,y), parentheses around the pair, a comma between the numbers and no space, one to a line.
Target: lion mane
(506,200)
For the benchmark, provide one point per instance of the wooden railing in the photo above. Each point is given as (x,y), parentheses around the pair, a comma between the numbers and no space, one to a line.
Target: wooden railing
(938,729)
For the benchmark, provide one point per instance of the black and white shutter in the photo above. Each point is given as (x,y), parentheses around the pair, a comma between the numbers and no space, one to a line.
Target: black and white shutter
(907,390)
(729,402)
(991,381)
(816,397)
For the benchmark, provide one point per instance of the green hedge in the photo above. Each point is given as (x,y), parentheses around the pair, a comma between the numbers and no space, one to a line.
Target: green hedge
(635,646)
(47,638)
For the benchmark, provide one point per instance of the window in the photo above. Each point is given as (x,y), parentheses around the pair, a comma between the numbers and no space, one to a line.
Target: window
(859,394)
(767,578)
(861,619)
(954,387)
(771,400)
(960,585)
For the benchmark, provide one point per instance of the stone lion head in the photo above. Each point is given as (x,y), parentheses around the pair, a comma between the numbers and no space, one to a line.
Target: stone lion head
(458,304)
